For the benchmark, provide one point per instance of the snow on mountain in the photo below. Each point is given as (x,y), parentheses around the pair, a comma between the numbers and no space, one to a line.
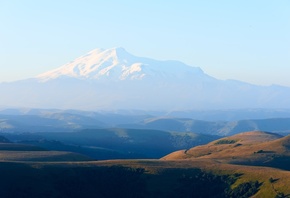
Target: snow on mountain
(117,64)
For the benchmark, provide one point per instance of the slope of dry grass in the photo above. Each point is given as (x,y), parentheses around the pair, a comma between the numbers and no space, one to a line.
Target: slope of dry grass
(252,148)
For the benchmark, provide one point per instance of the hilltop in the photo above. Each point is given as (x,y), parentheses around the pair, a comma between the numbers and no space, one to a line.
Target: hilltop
(249,148)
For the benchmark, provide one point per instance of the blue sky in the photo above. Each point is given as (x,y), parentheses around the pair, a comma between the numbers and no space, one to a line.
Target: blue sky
(246,40)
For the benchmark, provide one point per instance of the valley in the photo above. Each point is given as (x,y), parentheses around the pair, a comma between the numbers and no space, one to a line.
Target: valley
(152,161)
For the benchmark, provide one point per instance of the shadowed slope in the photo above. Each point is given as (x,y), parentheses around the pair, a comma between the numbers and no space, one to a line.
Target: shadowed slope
(26,152)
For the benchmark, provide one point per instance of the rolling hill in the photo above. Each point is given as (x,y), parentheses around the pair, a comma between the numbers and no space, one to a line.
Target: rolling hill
(250,148)
(223,128)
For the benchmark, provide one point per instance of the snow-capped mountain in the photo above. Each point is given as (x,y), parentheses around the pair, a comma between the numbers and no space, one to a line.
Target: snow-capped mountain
(115,79)
(117,64)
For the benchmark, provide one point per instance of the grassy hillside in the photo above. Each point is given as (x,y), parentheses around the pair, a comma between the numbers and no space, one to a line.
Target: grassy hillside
(250,148)
(145,178)
(270,182)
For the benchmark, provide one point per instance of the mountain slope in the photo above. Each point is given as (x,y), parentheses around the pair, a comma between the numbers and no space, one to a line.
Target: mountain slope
(117,64)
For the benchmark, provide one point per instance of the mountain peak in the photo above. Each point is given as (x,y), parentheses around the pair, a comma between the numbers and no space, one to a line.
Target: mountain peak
(119,50)
(117,64)
(116,51)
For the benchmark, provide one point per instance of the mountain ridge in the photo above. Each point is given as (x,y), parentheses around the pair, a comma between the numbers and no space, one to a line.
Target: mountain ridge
(41,120)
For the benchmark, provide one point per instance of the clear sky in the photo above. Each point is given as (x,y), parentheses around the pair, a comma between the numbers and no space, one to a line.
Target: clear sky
(246,40)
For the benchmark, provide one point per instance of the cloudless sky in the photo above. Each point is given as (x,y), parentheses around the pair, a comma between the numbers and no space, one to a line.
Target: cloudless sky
(246,40)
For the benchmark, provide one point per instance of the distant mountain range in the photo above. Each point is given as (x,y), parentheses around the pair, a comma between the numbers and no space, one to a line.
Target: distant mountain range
(38,120)
(114,79)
